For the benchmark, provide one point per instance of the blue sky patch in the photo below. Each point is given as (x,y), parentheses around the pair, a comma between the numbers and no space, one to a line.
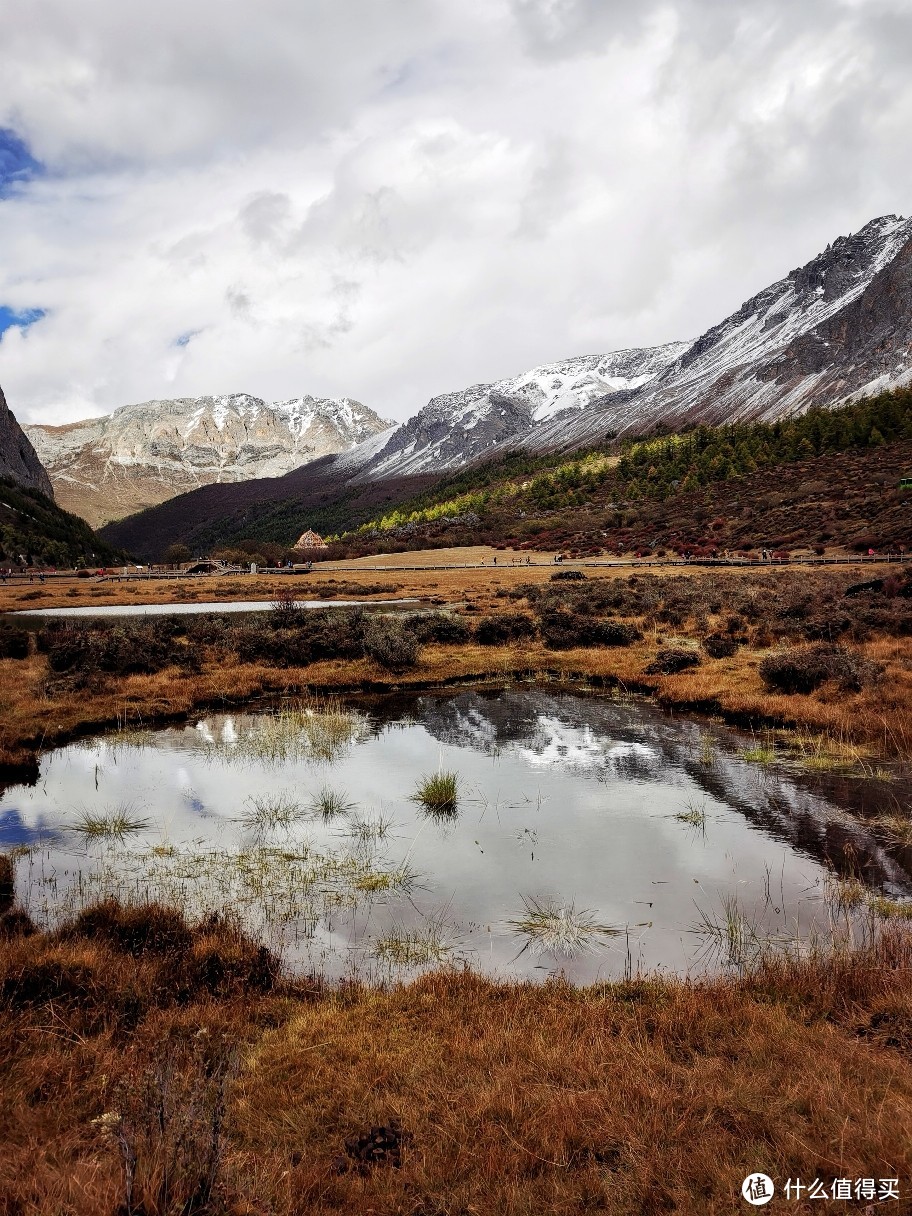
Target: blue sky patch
(17,165)
(14,830)
(9,318)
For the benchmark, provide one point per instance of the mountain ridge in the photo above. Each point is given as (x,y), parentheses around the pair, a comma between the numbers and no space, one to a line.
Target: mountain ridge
(830,331)
(144,453)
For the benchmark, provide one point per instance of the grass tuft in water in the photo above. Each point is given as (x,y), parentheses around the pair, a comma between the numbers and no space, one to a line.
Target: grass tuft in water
(318,730)
(707,750)
(270,811)
(422,947)
(890,909)
(732,937)
(369,831)
(438,793)
(759,755)
(330,803)
(895,828)
(693,815)
(845,894)
(552,927)
(114,824)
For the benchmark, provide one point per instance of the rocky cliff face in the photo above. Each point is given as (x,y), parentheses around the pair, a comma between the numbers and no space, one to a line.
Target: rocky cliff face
(106,468)
(17,456)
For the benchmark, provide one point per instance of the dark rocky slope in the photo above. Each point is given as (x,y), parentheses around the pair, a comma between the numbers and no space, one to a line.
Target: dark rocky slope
(18,460)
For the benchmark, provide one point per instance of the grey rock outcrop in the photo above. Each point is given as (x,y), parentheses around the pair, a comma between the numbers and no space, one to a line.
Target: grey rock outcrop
(18,458)
(106,468)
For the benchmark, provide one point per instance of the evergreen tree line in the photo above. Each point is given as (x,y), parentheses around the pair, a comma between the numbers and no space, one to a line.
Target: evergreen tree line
(662,466)
(33,527)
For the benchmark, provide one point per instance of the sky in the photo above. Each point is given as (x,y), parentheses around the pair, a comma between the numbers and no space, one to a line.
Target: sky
(391,199)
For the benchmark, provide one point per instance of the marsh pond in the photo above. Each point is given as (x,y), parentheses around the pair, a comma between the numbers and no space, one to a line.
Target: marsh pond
(524,832)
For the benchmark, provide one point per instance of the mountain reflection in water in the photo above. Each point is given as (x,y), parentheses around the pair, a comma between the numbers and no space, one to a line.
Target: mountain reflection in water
(579,817)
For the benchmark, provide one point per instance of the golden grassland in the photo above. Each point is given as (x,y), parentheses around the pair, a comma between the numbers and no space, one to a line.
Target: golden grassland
(875,722)
(135,1046)
(183,1059)
(463,579)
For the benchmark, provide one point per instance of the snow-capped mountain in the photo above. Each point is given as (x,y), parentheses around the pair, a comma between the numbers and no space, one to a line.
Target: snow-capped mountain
(456,428)
(832,330)
(835,328)
(839,327)
(18,458)
(109,467)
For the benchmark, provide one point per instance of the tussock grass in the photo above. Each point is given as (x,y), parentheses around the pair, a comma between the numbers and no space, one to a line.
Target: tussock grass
(694,815)
(438,793)
(266,812)
(759,754)
(707,749)
(552,927)
(116,823)
(315,730)
(896,827)
(427,945)
(734,939)
(330,804)
(890,909)
(369,830)
(283,890)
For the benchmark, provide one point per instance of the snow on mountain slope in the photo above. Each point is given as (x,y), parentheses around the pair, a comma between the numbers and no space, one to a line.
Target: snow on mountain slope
(839,326)
(835,328)
(105,468)
(456,428)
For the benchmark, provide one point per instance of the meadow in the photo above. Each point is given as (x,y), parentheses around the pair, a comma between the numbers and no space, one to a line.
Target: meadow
(158,1061)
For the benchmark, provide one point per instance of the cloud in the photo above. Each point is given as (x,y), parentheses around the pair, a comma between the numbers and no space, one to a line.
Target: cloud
(390,199)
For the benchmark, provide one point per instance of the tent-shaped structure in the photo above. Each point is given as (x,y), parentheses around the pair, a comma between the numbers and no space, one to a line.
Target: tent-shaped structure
(310,540)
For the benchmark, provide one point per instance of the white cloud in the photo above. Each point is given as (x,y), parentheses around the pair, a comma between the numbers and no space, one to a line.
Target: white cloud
(395,198)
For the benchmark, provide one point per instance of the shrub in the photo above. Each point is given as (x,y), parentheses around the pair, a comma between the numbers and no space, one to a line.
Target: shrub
(568,576)
(390,642)
(617,633)
(133,930)
(125,648)
(286,607)
(672,659)
(561,629)
(438,793)
(14,643)
(802,669)
(438,627)
(506,627)
(312,635)
(719,646)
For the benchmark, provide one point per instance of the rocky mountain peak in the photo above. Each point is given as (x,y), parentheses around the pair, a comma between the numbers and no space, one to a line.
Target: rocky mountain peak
(142,454)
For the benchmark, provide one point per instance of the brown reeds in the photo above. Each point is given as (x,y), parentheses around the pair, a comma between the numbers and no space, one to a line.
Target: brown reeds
(135,1080)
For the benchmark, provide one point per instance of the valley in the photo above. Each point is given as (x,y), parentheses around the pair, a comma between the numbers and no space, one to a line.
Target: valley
(563,802)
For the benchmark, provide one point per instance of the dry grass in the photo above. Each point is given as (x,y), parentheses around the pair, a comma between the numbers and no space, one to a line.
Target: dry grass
(838,728)
(133,1043)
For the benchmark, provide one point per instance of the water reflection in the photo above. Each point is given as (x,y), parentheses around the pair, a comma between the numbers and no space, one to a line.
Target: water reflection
(588,835)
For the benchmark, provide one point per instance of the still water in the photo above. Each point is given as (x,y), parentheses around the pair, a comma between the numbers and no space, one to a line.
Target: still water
(192,609)
(592,837)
